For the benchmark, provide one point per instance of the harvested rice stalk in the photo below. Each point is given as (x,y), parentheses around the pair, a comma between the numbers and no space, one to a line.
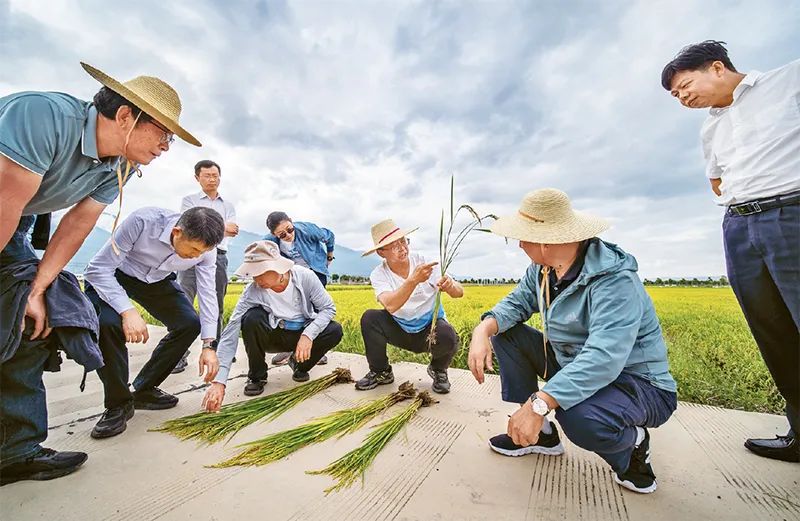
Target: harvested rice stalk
(281,444)
(210,428)
(356,462)
(448,250)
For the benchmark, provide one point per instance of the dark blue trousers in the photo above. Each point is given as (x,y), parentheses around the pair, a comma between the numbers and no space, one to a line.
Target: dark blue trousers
(762,253)
(23,403)
(604,423)
(167,302)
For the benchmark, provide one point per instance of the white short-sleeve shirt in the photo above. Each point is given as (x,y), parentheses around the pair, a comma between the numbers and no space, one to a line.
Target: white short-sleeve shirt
(417,311)
(753,145)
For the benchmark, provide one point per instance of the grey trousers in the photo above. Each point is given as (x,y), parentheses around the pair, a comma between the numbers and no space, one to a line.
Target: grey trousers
(188,281)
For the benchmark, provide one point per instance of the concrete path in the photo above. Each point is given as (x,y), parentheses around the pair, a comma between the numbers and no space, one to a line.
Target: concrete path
(440,468)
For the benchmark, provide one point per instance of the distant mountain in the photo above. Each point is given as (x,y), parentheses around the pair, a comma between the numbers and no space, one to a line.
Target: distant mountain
(347,262)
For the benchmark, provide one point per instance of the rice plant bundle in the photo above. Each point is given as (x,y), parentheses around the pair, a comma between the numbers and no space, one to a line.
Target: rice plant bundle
(213,427)
(279,445)
(355,463)
(448,249)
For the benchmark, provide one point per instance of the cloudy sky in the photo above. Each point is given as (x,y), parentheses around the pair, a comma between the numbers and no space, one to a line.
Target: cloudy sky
(345,113)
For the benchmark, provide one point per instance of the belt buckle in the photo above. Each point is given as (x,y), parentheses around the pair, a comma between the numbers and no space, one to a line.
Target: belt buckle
(747,208)
(282,324)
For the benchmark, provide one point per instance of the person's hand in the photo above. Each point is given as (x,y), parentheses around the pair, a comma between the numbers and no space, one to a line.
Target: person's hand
(231,229)
(303,350)
(480,353)
(445,284)
(134,327)
(422,272)
(209,363)
(524,425)
(215,393)
(36,309)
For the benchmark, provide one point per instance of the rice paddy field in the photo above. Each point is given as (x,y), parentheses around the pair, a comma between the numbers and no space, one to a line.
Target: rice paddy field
(712,355)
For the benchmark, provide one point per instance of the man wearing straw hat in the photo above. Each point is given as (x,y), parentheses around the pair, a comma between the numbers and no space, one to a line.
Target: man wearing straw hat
(600,349)
(285,308)
(139,263)
(406,287)
(56,152)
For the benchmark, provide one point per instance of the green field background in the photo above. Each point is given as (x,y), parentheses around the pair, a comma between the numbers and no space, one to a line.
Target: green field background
(712,355)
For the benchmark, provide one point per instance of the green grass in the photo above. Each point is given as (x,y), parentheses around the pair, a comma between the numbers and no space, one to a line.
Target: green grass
(712,355)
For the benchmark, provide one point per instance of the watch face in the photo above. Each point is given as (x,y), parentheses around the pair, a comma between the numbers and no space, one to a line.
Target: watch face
(540,407)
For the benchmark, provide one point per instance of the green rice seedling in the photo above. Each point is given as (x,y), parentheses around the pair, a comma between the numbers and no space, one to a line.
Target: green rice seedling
(355,463)
(279,445)
(448,249)
(210,428)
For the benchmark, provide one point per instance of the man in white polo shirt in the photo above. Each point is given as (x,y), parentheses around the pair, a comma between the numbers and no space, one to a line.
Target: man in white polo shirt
(209,175)
(751,143)
(406,286)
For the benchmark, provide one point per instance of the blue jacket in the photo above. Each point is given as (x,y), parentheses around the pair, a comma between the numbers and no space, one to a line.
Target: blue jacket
(603,324)
(313,242)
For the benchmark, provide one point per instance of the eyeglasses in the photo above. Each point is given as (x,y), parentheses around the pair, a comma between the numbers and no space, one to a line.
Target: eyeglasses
(398,245)
(210,177)
(167,137)
(285,233)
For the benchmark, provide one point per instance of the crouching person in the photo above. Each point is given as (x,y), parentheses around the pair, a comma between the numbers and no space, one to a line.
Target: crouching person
(600,349)
(138,264)
(406,285)
(285,308)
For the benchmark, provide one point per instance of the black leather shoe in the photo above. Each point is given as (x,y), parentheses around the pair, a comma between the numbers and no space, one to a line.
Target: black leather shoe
(113,422)
(784,448)
(154,399)
(45,464)
(180,366)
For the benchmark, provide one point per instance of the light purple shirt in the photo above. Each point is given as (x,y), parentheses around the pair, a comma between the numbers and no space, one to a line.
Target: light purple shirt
(144,240)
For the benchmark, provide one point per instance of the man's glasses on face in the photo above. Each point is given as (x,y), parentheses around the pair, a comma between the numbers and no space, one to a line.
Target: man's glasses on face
(209,177)
(167,137)
(285,233)
(398,245)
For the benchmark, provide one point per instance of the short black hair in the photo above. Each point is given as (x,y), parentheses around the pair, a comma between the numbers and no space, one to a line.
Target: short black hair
(107,102)
(696,57)
(205,163)
(274,219)
(202,224)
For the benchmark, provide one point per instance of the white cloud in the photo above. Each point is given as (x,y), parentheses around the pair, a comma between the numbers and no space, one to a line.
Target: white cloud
(344,113)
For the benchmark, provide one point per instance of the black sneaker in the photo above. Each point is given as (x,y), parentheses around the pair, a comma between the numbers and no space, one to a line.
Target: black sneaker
(373,379)
(298,375)
(548,444)
(323,360)
(254,387)
(441,384)
(784,448)
(114,421)
(45,464)
(639,477)
(154,399)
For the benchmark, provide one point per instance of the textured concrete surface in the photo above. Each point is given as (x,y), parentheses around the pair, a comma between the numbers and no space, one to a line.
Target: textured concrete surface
(439,468)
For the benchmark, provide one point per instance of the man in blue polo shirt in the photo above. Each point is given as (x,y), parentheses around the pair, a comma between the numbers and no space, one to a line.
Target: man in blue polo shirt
(57,152)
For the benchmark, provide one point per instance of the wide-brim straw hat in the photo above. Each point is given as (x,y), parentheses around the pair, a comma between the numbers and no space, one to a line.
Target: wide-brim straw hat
(154,96)
(261,257)
(386,232)
(546,217)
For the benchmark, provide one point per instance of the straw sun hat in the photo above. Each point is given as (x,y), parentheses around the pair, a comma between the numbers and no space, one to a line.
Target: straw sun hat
(155,97)
(384,233)
(546,217)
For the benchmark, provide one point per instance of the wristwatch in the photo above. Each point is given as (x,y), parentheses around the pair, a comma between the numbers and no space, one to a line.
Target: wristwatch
(539,406)
(210,345)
